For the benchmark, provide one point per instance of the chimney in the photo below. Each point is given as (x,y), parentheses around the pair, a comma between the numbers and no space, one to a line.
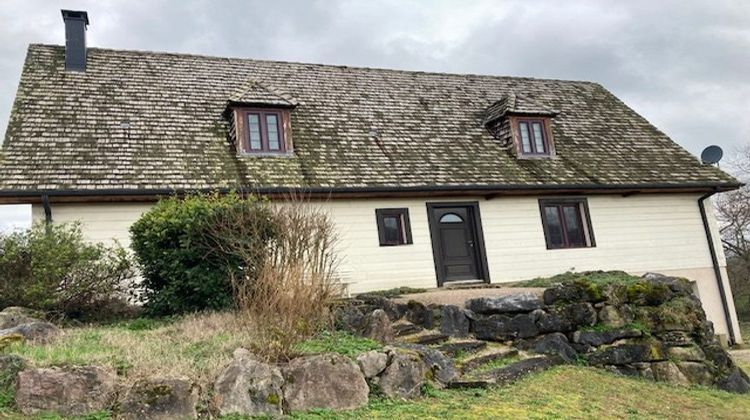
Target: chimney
(75,39)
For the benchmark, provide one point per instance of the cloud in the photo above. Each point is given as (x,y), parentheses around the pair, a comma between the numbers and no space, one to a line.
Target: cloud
(683,65)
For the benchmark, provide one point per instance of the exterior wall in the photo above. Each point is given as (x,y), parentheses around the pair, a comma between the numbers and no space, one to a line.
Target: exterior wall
(650,232)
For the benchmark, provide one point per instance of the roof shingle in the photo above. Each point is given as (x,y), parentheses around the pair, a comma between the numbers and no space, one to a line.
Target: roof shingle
(65,129)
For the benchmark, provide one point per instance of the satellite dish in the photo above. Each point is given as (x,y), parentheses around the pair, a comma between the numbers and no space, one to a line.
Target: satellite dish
(711,155)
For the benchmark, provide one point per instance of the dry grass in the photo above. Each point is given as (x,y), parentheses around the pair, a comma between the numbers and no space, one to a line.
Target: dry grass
(197,346)
(287,285)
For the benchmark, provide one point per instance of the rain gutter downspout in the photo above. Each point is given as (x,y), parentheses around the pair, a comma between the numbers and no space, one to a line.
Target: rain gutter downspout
(717,268)
(47,209)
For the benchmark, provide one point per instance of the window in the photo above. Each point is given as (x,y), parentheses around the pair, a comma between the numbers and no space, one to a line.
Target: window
(261,130)
(393,226)
(451,218)
(532,137)
(566,223)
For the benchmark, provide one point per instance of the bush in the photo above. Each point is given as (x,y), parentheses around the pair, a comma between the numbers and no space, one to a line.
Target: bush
(185,269)
(52,269)
(287,283)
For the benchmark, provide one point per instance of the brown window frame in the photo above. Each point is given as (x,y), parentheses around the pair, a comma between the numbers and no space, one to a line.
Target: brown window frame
(243,132)
(402,215)
(584,219)
(547,142)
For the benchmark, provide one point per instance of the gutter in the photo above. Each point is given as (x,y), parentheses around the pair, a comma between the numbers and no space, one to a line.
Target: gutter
(714,187)
(47,209)
(717,268)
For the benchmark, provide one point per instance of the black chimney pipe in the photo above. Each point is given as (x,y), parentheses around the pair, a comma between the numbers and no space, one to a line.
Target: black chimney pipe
(75,39)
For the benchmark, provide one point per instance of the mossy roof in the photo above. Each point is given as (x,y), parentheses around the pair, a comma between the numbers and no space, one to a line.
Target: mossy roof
(66,128)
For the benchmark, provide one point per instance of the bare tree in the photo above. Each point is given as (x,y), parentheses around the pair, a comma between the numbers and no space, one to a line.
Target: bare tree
(733,214)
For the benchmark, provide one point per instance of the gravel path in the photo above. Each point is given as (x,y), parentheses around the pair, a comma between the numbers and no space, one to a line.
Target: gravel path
(459,296)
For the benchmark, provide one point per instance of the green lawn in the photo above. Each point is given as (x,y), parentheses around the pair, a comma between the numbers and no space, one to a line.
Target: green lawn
(563,392)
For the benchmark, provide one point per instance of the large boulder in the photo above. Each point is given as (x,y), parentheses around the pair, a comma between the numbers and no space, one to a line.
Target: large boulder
(494,328)
(696,373)
(524,326)
(667,371)
(327,381)
(454,321)
(418,314)
(39,332)
(521,302)
(552,344)
(735,381)
(69,391)
(249,386)
(577,291)
(351,318)
(553,320)
(686,354)
(598,338)
(628,353)
(377,326)
(10,365)
(404,376)
(160,398)
(14,316)
(616,316)
(372,363)
(439,367)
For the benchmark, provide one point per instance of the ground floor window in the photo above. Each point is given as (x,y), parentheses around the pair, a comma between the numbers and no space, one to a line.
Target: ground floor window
(566,223)
(393,226)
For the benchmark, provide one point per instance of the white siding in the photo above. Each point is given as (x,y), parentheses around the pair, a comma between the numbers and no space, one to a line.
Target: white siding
(641,233)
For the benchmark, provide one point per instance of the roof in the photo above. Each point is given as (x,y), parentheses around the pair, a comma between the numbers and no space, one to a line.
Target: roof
(69,131)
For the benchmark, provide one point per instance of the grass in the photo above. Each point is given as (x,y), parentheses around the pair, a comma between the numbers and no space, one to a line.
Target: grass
(563,392)
(596,277)
(338,342)
(495,364)
(197,346)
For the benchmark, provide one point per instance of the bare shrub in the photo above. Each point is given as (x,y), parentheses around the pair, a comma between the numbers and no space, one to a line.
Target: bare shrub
(286,285)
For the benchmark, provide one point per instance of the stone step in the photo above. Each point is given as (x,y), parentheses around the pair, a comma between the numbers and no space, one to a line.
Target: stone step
(486,357)
(507,374)
(426,338)
(467,346)
(404,328)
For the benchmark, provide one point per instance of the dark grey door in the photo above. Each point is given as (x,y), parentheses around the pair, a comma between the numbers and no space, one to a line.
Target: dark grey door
(454,242)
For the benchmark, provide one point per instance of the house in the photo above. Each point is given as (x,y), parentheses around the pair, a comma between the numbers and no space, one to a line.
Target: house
(431,178)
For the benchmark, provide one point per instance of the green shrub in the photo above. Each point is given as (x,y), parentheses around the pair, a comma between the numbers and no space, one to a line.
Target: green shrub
(184,268)
(51,268)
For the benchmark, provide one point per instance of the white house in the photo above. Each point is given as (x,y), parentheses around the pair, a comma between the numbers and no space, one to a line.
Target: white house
(431,178)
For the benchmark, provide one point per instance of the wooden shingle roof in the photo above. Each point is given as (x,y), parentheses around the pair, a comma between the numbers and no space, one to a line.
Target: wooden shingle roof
(148,121)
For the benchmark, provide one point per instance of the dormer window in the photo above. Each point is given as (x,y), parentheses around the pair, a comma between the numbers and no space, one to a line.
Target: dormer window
(533,140)
(263,130)
(532,137)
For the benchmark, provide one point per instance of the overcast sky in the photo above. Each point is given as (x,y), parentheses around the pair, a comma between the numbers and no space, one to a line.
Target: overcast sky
(684,65)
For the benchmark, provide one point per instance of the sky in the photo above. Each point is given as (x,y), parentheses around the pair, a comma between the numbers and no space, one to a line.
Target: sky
(684,65)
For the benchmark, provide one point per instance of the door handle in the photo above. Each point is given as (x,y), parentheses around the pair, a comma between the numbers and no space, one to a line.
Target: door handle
(471,244)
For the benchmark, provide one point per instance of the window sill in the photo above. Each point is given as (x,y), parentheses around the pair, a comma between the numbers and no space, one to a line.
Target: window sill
(572,247)
(267,154)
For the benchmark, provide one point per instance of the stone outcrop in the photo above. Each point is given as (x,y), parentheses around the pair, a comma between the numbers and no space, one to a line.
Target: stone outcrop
(327,381)
(160,398)
(454,321)
(69,391)
(248,386)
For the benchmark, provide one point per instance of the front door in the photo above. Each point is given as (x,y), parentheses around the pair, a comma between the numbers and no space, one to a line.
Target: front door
(456,249)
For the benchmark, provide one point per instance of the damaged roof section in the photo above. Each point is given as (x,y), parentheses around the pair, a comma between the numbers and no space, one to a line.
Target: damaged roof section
(144,120)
